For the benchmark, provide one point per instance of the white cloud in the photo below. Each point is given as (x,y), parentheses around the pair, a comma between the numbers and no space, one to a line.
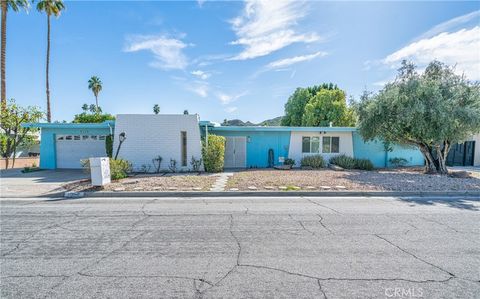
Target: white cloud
(200,89)
(267,26)
(292,60)
(231,109)
(201,74)
(168,52)
(452,24)
(200,2)
(228,98)
(460,48)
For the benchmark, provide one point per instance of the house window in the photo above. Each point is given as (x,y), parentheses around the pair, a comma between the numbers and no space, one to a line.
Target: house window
(310,144)
(330,145)
(76,137)
(183,136)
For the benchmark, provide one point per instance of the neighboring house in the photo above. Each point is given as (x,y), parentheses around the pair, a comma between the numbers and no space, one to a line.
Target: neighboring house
(466,153)
(178,137)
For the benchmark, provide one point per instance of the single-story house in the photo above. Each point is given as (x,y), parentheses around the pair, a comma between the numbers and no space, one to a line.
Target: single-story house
(178,138)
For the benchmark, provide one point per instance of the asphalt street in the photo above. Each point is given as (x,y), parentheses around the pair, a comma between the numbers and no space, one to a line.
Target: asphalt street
(241,248)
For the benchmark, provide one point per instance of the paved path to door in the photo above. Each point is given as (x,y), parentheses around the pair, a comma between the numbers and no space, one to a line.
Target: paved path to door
(241,248)
(221,181)
(38,183)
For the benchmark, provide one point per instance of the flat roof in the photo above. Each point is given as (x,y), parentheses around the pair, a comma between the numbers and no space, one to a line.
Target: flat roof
(104,125)
(282,129)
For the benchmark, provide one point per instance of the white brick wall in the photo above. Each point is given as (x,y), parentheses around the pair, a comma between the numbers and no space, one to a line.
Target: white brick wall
(151,135)
(295,150)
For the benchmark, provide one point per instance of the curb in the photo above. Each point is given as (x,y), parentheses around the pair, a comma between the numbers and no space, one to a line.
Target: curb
(270,194)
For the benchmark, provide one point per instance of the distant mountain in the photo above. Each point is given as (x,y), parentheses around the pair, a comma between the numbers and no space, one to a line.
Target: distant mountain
(238,122)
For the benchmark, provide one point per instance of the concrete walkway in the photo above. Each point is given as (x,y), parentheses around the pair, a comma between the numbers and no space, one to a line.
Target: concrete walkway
(221,182)
(14,183)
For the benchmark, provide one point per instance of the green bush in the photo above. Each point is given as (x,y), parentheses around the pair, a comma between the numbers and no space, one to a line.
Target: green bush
(363,164)
(288,161)
(347,162)
(119,169)
(314,161)
(343,161)
(214,153)
(109,145)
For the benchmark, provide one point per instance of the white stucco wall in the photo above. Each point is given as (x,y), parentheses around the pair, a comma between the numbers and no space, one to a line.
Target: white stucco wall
(476,157)
(295,149)
(151,135)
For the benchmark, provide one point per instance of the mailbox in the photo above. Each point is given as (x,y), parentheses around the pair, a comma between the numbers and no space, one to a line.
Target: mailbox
(100,171)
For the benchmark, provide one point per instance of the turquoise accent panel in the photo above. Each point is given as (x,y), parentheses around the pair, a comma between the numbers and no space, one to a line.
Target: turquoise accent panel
(258,144)
(375,152)
(48,157)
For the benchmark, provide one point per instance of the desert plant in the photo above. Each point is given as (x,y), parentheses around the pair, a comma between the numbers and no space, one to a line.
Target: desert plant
(145,168)
(109,145)
(213,152)
(343,161)
(173,165)
(289,162)
(157,163)
(363,164)
(196,163)
(119,169)
(314,161)
(398,162)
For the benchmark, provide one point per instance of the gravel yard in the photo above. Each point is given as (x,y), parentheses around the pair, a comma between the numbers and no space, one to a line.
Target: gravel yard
(408,179)
(153,182)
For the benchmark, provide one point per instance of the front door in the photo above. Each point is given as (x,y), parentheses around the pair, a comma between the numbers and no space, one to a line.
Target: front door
(235,152)
(461,154)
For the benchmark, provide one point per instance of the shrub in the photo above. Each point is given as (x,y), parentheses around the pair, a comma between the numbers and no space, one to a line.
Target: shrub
(314,161)
(119,169)
(109,145)
(343,161)
(398,162)
(196,163)
(289,161)
(173,165)
(363,164)
(157,163)
(213,155)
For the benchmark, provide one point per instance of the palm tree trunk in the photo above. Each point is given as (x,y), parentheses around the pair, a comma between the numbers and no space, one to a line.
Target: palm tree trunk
(3,55)
(96,101)
(49,113)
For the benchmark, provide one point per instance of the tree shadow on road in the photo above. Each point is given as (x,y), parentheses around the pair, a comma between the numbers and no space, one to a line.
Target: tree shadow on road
(463,203)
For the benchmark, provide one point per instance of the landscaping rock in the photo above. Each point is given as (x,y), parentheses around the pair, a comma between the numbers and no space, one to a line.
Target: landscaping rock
(335,167)
(119,189)
(233,189)
(310,188)
(282,187)
(269,187)
(197,189)
(325,187)
(172,188)
(252,188)
(340,187)
(137,189)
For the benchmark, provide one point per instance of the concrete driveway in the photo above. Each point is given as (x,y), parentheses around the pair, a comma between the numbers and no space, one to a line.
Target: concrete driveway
(14,183)
(241,248)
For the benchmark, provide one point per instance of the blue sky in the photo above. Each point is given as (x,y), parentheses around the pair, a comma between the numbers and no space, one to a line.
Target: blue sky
(228,59)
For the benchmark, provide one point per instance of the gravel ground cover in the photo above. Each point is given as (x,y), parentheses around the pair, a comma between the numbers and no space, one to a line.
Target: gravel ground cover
(407,179)
(153,182)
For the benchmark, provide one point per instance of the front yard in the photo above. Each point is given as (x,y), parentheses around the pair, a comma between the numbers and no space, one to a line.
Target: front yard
(407,179)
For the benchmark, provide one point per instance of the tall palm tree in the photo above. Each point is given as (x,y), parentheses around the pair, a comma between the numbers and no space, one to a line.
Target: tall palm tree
(49,7)
(15,5)
(96,86)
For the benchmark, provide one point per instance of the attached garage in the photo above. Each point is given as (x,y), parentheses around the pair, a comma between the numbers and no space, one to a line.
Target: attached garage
(73,148)
(63,145)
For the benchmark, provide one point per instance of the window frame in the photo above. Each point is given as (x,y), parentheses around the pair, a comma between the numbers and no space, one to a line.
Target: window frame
(330,145)
(311,144)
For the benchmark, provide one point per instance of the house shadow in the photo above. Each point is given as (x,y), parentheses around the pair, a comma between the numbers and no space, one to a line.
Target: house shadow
(416,181)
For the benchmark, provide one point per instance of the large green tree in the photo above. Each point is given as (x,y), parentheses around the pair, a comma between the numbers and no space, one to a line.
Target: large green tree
(49,7)
(325,107)
(431,111)
(319,113)
(14,5)
(12,134)
(95,85)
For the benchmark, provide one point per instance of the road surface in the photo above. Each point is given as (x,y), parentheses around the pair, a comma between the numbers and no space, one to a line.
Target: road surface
(241,248)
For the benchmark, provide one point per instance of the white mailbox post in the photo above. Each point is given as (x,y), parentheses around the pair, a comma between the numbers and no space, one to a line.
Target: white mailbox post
(100,171)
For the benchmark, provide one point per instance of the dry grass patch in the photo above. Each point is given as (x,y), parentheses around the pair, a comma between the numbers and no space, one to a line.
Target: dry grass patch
(406,179)
(153,182)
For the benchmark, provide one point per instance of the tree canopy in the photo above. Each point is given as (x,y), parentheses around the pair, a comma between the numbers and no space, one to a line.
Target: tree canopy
(431,111)
(92,114)
(318,106)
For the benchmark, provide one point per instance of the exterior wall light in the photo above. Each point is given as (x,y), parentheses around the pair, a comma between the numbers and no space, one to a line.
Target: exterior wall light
(121,138)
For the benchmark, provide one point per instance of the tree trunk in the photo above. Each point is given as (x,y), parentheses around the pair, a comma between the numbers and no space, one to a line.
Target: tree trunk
(435,158)
(96,101)
(49,113)
(3,55)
